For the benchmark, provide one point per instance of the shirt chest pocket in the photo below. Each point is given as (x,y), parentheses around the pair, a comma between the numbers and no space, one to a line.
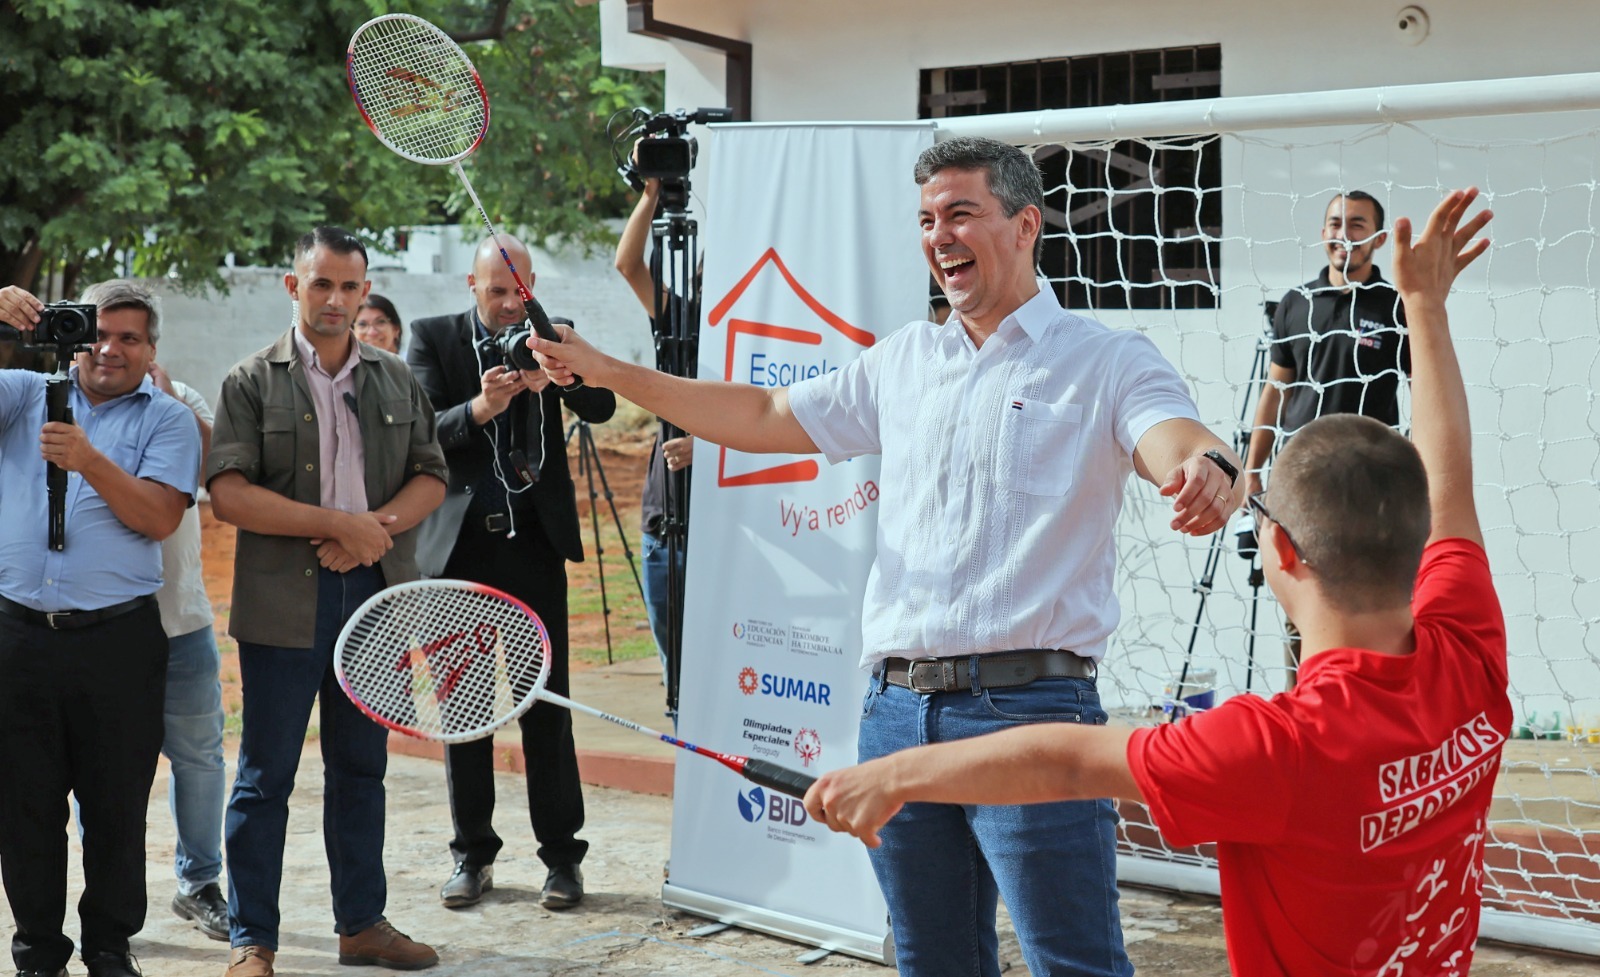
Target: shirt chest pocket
(396,422)
(1037,451)
(278,438)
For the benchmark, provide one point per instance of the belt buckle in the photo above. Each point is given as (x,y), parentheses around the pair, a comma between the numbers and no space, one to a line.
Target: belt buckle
(50,618)
(496,522)
(943,674)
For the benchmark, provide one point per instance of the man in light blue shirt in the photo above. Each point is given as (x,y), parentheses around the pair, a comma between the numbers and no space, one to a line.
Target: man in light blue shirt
(83,657)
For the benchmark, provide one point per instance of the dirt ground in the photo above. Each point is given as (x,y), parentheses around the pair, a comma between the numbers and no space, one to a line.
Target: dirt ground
(620,930)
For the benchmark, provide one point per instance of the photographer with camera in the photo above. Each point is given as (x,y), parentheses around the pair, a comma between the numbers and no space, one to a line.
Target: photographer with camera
(662,566)
(83,657)
(669,289)
(509,520)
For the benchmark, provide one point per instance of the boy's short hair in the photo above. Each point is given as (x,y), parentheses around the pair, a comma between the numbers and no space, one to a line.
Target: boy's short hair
(1353,495)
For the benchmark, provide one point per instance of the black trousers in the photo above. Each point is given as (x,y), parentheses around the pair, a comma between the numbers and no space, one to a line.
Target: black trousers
(80,713)
(526,567)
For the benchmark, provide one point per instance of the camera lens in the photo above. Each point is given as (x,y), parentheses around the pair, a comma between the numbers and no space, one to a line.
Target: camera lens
(66,323)
(514,349)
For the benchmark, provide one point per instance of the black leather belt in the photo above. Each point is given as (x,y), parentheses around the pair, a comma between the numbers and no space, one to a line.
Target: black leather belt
(72,620)
(998,670)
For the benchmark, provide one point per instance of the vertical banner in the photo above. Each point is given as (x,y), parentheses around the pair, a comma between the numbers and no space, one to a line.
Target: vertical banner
(812,254)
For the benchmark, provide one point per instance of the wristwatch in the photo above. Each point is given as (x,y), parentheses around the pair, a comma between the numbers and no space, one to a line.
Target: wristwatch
(1221,461)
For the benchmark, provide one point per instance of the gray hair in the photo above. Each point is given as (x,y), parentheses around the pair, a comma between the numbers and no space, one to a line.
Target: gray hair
(124,293)
(1011,175)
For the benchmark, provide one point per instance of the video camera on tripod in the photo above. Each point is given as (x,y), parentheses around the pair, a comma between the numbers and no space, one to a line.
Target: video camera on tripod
(67,328)
(665,152)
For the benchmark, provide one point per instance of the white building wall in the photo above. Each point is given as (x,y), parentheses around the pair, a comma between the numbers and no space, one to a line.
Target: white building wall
(848,60)
(204,335)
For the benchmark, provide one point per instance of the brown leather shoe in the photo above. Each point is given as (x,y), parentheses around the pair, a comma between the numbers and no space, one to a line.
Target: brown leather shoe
(250,961)
(381,945)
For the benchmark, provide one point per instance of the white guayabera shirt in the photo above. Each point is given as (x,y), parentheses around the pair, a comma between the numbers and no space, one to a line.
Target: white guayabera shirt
(1002,477)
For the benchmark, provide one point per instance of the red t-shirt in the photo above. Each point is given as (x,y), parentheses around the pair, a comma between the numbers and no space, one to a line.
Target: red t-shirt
(1350,812)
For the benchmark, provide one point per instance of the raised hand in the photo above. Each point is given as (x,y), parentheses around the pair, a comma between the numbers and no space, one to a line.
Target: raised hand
(1426,267)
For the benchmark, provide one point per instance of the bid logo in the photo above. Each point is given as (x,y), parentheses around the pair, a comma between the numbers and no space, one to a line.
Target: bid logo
(788,353)
(756,804)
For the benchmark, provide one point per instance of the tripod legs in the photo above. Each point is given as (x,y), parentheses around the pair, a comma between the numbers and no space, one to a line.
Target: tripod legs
(589,465)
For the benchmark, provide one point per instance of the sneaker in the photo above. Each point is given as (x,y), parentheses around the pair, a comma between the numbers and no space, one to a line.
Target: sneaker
(207,908)
(467,886)
(563,888)
(381,945)
(250,961)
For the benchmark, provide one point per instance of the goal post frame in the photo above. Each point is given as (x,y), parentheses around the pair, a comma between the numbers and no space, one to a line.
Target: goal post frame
(1378,106)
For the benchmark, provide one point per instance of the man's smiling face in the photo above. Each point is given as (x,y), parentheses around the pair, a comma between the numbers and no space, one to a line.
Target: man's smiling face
(982,259)
(120,357)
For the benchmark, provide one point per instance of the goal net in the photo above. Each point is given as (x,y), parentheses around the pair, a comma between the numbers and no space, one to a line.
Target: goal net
(1183,220)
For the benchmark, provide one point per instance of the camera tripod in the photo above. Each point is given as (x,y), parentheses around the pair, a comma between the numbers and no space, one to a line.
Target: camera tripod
(1203,586)
(674,264)
(589,466)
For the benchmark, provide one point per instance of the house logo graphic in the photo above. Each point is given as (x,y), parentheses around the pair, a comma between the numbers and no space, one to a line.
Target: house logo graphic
(775,362)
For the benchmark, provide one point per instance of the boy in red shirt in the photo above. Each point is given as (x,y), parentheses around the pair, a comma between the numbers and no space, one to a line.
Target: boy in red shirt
(1350,812)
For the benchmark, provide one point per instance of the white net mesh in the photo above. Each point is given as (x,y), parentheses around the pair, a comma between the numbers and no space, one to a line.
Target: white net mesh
(1186,238)
(417,89)
(446,661)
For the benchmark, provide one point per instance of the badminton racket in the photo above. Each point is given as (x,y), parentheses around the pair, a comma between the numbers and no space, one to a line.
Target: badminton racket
(452,660)
(421,96)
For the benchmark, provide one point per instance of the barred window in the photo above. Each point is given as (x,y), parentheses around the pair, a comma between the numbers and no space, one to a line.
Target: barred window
(1133,224)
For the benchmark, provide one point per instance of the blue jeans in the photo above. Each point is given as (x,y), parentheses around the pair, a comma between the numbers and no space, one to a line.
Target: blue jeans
(942,866)
(192,742)
(657,592)
(279,685)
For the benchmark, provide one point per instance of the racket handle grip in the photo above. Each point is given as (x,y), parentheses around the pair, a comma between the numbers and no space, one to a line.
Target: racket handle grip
(542,326)
(781,779)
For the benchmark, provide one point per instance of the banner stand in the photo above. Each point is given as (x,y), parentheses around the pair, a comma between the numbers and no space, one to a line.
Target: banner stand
(867,946)
(812,254)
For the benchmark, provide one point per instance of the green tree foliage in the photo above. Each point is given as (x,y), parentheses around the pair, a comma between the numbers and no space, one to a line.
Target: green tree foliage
(159,137)
(546,163)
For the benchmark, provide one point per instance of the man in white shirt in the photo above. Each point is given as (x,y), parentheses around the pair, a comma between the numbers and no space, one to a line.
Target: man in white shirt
(1007,435)
(193,720)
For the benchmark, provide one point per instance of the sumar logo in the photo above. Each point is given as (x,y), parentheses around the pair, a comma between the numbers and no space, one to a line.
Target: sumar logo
(784,686)
(808,746)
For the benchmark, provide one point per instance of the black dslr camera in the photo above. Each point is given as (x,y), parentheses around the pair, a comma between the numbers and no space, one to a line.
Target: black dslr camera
(64,324)
(65,327)
(512,344)
(666,152)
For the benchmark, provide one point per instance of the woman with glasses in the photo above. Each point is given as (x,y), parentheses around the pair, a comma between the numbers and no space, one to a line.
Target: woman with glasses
(378,324)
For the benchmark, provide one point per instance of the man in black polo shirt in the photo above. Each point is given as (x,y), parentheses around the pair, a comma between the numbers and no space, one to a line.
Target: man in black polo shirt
(1338,345)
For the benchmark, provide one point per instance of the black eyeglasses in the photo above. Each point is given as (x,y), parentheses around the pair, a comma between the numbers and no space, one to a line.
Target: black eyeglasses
(1262,512)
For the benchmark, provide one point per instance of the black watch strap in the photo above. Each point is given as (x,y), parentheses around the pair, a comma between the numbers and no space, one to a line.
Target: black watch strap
(1221,461)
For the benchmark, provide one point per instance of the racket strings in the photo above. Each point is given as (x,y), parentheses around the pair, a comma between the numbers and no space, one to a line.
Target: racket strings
(450,664)
(417,89)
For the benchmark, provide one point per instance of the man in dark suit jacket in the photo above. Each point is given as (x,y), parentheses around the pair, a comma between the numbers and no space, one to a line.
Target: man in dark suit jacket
(498,529)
